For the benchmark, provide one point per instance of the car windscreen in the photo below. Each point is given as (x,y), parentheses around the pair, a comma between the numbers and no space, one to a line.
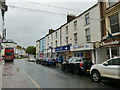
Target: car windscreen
(9,53)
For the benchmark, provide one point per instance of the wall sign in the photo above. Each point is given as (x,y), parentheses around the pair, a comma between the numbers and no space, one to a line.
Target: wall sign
(108,43)
(87,46)
(63,48)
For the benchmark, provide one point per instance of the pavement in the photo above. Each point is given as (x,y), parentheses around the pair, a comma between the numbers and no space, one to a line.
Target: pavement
(24,74)
(12,77)
(0,75)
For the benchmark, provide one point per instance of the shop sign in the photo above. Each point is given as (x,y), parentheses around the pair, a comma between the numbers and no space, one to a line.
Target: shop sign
(110,43)
(107,43)
(63,48)
(87,46)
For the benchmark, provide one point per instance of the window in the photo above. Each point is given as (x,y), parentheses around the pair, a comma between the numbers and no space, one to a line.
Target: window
(76,60)
(51,36)
(56,43)
(75,38)
(88,34)
(56,34)
(48,39)
(66,40)
(111,2)
(51,43)
(70,60)
(66,30)
(75,25)
(114,23)
(87,19)
(114,62)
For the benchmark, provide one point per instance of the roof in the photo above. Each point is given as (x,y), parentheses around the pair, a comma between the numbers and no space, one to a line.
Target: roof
(73,19)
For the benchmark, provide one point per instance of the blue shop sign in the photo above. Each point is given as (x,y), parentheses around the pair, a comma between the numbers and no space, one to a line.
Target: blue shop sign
(63,48)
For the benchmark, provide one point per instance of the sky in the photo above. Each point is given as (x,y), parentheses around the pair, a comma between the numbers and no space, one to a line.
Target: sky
(26,21)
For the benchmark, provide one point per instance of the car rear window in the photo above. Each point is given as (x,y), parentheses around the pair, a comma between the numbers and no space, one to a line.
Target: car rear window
(87,60)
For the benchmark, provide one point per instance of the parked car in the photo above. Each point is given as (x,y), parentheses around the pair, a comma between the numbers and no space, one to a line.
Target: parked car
(43,62)
(31,59)
(39,60)
(50,62)
(109,69)
(77,65)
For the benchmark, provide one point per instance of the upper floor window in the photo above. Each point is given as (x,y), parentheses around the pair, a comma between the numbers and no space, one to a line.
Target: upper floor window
(51,36)
(87,19)
(111,2)
(48,39)
(56,43)
(75,38)
(88,34)
(51,43)
(66,30)
(66,40)
(56,34)
(75,25)
(114,23)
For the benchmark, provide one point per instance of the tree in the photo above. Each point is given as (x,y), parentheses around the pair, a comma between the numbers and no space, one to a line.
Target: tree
(31,50)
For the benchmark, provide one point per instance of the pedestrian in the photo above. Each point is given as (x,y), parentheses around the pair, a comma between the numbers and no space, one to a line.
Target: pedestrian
(57,61)
(61,59)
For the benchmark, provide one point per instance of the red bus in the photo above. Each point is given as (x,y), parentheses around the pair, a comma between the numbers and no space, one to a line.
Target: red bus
(9,54)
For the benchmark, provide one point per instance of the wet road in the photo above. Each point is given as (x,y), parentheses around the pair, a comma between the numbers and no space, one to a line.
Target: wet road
(31,75)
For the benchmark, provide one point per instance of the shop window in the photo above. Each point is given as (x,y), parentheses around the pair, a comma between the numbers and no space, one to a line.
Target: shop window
(115,51)
(114,23)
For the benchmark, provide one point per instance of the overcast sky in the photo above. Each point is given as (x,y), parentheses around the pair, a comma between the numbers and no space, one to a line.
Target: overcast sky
(25,26)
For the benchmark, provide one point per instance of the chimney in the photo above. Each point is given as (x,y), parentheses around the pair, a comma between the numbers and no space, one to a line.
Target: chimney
(51,31)
(70,17)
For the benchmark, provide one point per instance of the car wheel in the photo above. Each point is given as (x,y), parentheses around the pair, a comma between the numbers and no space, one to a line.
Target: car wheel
(37,62)
(76,71)
(63,68)
(96,76)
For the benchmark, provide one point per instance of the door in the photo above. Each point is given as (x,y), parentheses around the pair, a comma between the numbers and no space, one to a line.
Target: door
(111,70)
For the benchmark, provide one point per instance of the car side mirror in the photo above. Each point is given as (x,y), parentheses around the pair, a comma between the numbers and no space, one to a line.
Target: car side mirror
(105,64)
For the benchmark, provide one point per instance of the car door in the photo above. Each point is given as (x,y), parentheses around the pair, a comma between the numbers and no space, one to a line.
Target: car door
(111,69)
(69,63)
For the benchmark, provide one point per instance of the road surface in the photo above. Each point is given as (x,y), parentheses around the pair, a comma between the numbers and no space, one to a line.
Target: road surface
(24,74)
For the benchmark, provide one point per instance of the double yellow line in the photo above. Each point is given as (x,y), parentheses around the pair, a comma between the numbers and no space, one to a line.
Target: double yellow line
(35,83)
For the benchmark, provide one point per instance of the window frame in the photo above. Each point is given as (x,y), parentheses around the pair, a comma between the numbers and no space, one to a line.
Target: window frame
(67,40)
(75,25)
(66,30)
(56,34)
(88,35)
(114,24)
(75,38)
(87,18)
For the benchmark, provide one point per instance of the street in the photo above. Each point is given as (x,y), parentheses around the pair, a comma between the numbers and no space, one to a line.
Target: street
(24,74)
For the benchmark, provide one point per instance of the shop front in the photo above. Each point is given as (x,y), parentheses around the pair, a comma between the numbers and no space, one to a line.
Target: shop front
(63,51)
(107,49)
(83,50)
